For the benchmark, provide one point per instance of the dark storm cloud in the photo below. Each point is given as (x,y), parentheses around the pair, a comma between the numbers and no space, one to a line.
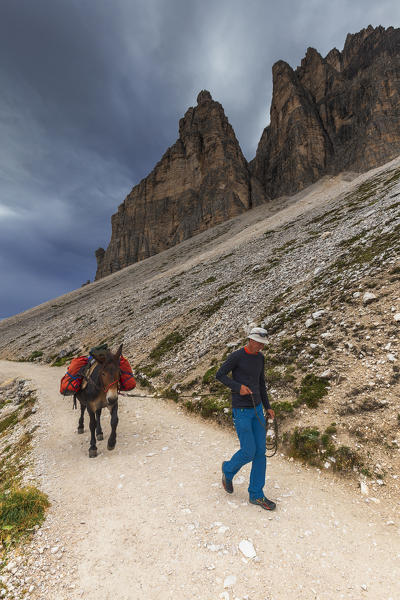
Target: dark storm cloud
(90,97)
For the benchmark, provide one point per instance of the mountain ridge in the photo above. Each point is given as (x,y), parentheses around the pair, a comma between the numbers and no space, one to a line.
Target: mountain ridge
(328,115)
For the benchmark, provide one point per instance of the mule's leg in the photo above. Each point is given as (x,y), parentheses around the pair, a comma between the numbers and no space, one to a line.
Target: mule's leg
(112,440)
(80,423)
(93,447)
(99,431)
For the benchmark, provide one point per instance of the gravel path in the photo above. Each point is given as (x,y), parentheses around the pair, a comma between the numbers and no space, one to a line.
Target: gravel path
(150,519)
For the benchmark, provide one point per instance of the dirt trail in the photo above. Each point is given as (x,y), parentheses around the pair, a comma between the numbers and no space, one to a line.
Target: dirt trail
(148,519)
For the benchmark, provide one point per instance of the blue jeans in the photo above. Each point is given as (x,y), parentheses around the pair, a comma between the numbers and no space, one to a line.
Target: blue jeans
(251,436)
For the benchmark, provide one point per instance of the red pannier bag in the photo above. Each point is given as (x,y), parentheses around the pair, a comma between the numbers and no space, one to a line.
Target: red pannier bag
(126,379)
(72,380)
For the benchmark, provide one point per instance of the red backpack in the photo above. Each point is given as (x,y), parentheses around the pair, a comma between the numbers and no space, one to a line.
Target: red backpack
(72,380)
(126,378)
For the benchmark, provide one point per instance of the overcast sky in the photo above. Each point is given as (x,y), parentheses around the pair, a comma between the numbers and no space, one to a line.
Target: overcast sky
(91,92)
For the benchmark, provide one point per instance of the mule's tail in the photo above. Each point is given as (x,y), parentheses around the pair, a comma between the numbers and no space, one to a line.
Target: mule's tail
(74,402)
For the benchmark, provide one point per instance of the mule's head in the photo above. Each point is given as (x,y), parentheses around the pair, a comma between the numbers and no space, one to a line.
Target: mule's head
(109,373)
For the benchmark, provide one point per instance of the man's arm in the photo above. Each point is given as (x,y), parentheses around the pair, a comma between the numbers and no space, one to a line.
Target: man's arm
(222,374)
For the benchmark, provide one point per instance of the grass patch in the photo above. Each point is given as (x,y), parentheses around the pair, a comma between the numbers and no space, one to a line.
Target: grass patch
(210,407)
(62,361)
(312,390)
(282,409)
(166,300)
(309,445)
(275,377)
(34,355)
(209,376)
(171,394)
(150,370)
(9,421)
(210,309)
(166,345)
(209,280)
(20,510)
(226,286)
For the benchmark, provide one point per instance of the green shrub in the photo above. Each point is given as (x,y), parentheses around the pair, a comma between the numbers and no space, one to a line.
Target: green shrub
(282,408)
(35,354)
(166,344)
(309,445)
(306,445)
(61,361)
(209,376)
(209,280)
(210,309)
(346,459)
(150,370)
(331,429)
(171,394)
(312,389)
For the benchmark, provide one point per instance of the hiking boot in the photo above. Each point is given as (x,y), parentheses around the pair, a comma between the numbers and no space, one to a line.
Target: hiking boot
(264,503)
(226,483)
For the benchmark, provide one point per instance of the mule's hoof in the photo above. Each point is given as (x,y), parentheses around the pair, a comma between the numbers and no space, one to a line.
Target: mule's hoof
(110,447)
(92,452)
(99,436)
(80,430)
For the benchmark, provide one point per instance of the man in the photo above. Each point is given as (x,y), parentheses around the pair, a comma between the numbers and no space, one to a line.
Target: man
(249,395)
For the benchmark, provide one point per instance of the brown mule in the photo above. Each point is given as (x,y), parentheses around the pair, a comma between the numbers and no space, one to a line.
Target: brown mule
(100,390)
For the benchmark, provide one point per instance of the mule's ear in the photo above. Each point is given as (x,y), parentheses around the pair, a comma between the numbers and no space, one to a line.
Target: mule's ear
(119,352)
(100,357)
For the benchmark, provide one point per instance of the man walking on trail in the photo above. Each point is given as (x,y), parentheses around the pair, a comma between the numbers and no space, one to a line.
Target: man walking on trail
(249,395)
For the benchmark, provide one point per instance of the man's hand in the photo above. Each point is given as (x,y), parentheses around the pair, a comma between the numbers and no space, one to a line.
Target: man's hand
(271,413)
(245,391)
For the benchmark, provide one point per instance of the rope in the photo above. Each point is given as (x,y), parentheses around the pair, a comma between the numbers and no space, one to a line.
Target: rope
(270,426)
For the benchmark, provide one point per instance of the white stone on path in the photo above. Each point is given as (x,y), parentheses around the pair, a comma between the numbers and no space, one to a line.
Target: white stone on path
(364,488)
(396,317)
(229,581)
(223,529)
(247,549)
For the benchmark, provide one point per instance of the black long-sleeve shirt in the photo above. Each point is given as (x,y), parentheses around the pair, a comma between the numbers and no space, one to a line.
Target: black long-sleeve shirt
(247,369)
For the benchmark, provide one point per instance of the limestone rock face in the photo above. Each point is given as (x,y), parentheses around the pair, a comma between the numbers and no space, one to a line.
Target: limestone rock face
(332,114)
(202,180)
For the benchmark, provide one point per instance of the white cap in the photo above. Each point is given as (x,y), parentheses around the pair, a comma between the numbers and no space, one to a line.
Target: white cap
(258,334)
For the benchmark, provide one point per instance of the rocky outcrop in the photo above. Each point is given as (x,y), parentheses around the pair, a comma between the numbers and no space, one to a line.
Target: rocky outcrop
(202,180)
(332,114)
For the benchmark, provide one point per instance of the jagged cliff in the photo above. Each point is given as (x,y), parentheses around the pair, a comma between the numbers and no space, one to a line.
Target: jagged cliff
(202,180)
(332,114)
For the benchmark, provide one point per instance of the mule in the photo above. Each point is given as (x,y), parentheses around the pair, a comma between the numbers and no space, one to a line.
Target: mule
(100,390)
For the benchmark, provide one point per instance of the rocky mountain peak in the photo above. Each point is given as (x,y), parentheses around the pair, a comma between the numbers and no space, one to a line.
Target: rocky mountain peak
(332,114)
(203,97)
(202,180)
(328,115)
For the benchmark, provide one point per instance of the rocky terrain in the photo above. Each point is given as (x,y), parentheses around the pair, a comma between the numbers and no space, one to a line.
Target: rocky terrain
(332,114)
(322,274)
